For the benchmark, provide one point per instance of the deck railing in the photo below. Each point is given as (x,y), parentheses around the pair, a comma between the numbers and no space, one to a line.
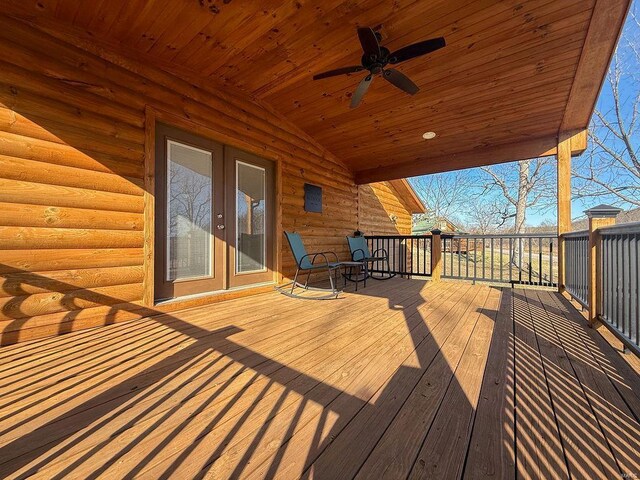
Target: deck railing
(576,247)
(602,272)
(409,255)
(620,305)
(528,259)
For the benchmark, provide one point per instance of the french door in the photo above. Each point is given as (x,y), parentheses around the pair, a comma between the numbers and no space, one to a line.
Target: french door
(214,216)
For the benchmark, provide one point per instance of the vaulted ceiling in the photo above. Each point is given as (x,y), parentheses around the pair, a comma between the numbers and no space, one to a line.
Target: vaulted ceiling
(513,75)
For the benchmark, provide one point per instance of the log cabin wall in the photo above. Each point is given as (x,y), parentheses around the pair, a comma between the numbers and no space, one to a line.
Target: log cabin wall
(75,215)
(72,186)
(382,210)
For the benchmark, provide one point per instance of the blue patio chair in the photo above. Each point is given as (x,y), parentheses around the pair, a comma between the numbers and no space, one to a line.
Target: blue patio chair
(306,262)
(360,253)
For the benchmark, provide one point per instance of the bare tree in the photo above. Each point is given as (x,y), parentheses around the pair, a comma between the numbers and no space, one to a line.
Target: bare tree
(483,217)
(445,195)
(520,186)
(190,197)
(611,167)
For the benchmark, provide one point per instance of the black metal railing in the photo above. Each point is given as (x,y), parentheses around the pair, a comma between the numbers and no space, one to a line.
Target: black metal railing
(576,257)
(528,259)
(620,309)
(409,255)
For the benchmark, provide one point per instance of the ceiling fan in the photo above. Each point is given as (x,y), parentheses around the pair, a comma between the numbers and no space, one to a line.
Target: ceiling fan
(376,57)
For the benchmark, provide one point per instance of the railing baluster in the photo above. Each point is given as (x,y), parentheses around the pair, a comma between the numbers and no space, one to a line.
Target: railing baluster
(629,287)
(609,279)
(511,252)
(618,281)
(454,252)
(491,247)
(484,247)
(411,255)
(501,259)
(475,258)
(635,335)
(540,268)
(459,248)
(530,260)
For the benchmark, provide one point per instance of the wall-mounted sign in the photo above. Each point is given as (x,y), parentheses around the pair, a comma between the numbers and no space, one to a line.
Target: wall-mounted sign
(312,198)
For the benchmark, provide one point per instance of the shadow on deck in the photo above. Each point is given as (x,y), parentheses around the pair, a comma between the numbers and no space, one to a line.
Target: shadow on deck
(401,379)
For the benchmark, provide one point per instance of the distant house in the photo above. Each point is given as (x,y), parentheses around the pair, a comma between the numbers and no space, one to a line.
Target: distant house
(424,227)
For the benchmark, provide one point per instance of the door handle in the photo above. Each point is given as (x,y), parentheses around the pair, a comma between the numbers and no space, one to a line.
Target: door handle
(220,227)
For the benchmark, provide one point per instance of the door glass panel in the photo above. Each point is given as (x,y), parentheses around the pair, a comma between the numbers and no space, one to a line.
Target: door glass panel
(189,190)
(250,218)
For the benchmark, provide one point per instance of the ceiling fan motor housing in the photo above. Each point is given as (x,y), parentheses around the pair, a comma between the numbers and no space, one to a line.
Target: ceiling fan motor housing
(375,64)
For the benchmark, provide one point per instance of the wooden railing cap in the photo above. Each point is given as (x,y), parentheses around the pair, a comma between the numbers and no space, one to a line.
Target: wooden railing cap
(603,211)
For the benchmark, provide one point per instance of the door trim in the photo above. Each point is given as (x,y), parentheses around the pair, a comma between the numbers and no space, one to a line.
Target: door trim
(233,156)
(153,115)
(215,280)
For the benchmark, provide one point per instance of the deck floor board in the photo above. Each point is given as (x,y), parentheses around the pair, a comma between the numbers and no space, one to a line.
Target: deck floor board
(403,379)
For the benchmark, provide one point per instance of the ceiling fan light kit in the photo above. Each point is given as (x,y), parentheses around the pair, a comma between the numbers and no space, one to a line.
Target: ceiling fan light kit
(376,58)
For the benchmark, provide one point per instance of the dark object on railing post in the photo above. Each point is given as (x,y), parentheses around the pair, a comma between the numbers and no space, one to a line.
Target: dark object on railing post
(436,255)
(600,216)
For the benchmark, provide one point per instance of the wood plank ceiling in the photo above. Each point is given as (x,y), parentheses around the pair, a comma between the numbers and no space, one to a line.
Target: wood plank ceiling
(504,77)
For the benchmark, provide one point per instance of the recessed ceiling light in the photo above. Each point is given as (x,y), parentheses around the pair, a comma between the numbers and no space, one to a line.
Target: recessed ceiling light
(429,135)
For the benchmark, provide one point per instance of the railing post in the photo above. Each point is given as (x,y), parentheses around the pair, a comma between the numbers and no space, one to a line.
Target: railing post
(436,255)
(600,216)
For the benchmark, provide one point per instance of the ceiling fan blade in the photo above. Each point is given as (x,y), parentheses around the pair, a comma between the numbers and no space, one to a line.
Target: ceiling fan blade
(338,71)
(369,42)
(401,81)
(416,50)
(361,90)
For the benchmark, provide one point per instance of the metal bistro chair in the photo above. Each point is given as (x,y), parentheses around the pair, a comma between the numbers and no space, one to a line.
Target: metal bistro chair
(306,262)
(360,253)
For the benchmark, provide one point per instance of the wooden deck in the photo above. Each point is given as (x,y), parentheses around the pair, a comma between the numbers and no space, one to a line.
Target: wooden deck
(402,380)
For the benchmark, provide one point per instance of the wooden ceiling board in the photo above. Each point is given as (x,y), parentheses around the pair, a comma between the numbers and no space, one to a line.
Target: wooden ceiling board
(64,9)
(505,110)
(449,65)
(442,111)
(333,41)
(435,74)
(486,155)
(125,13)
(405,36)
(512,70)
(504,113)
(282,37)
(432,116)
(459,93)
(165,19)
(187,26)
(318,43)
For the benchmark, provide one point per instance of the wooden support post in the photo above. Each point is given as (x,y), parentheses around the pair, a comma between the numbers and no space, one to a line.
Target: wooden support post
(436,255)
(564,201)
(600,216)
